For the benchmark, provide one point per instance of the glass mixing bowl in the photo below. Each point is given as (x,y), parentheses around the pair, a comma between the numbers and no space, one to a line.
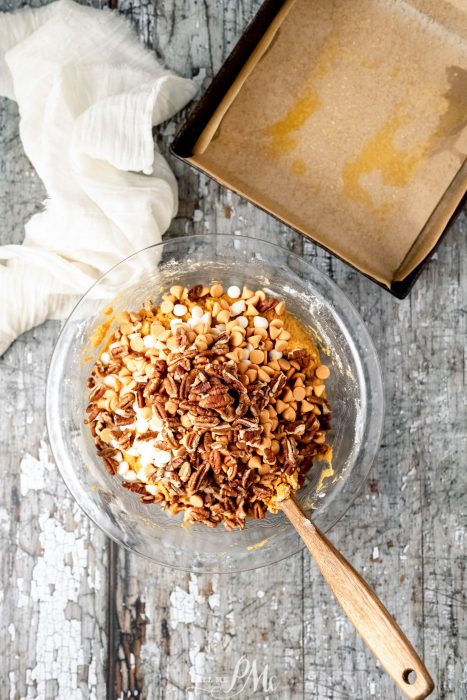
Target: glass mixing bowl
(354,391)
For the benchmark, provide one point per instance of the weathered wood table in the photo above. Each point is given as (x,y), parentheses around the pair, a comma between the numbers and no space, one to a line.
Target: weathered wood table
(82,618)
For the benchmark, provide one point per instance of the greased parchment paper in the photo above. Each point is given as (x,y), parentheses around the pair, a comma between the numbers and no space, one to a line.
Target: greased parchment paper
(351,127)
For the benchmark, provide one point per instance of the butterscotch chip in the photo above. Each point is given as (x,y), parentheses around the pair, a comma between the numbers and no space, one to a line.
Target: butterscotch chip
(137,344)
(252,374)
(223,316)
(217,291)
(279,308)
(262,332)
(276,323)
(201,343)
(243,366)
(263,375)
(247,293)
(274,332)
(254,340)
(167,306)
(250,310)
(177,291)
(289,414)
(280,406)
(157,329)
(256,356)
(306,406)
(254,462)
(299,393)
(319,389)
(126,328)
(322,372)
(196,501)
(284,364)
(284,335)
(172,343)
(236,338)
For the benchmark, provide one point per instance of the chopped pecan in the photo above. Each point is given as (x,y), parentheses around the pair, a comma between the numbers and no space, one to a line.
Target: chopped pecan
(301,356)
(171,387)
(218,398)
(195,292)
(262,491)
(196,480)
(161,367)
(267,304)
(277,384)
(233,382)
(135,486)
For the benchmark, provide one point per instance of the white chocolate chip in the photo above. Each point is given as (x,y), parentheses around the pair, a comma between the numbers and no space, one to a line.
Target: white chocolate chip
(238,307)
(162,457)
(152,489)
(130,475)
(179,310)
(260,322)
(123,468)
(233,292)
(243,321)
(149,341)
(105,358)
(175,322)
(155,424)
(206,318)
(141,425)
(197,312)
(275,355)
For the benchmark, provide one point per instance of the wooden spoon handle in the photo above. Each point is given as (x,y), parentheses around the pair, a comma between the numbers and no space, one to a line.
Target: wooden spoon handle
(364,609)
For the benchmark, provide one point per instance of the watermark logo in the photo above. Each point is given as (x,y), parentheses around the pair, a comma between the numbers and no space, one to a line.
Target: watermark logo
(247,678)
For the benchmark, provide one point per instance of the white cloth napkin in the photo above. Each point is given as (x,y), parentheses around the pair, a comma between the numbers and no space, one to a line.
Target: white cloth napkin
(88,96)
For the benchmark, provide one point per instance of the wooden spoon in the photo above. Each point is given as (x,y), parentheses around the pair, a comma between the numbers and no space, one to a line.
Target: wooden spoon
(363,608)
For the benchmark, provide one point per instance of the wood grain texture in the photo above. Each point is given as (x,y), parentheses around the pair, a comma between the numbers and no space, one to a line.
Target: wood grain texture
(405,533)
(363,608)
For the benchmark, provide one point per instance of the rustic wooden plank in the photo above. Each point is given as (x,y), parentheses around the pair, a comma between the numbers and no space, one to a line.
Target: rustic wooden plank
(52,559)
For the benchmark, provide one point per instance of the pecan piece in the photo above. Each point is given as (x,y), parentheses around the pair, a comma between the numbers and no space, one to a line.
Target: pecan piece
(170,386)
(277,384)
(195,292)
(196,480)
(261,491)
(265,305)
(233,381)
(301,356)
(218,398)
